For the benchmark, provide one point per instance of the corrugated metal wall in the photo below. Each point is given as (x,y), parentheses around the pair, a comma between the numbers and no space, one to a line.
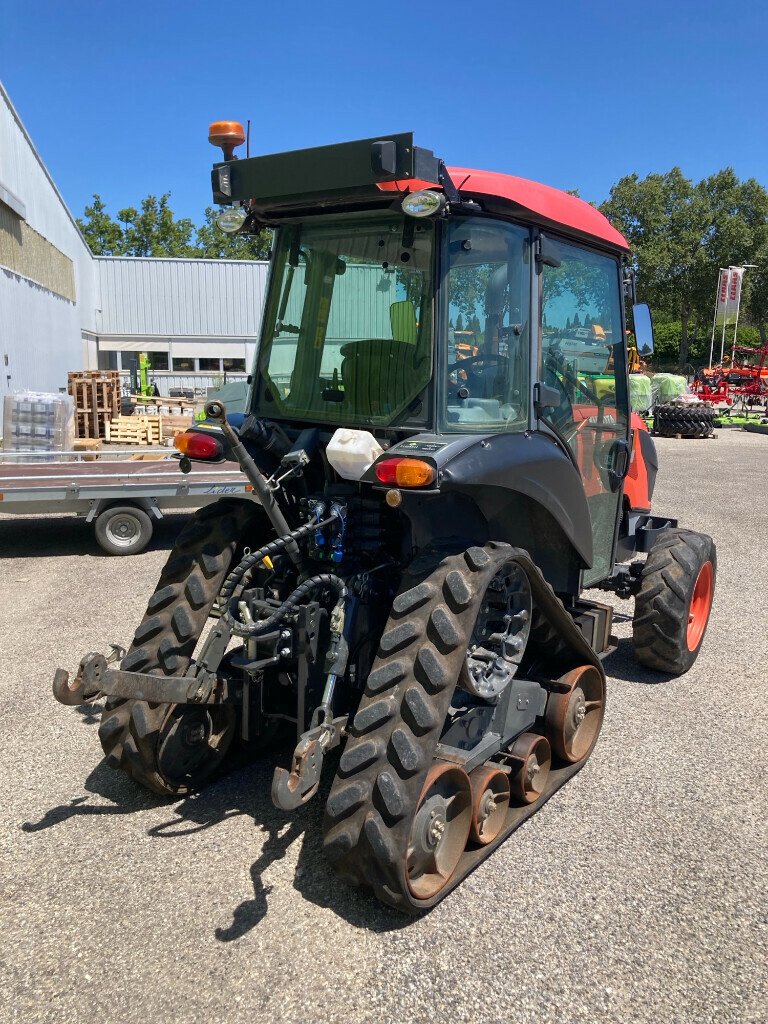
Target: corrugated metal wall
(40,332)
(148,297)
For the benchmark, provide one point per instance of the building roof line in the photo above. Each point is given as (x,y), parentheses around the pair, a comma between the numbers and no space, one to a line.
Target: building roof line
(182,259)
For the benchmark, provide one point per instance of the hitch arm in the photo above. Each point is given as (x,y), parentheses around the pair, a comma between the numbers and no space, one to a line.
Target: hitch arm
(292,789)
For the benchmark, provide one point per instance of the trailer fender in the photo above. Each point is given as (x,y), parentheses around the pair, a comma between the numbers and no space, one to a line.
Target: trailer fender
(149,505)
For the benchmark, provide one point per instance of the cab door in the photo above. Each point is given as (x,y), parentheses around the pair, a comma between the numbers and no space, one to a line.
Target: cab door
(583,364)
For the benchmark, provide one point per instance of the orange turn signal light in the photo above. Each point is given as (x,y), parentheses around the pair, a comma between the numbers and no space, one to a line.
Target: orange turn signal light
(404,472)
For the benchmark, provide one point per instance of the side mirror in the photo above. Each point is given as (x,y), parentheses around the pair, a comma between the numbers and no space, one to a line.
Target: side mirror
(641,315)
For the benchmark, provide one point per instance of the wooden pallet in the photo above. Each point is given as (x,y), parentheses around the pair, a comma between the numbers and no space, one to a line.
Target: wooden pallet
(134,430)
(173,425)
(97,400)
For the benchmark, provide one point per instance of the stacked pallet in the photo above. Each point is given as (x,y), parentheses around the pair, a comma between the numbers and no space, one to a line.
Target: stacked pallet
(134,430)
(97,400)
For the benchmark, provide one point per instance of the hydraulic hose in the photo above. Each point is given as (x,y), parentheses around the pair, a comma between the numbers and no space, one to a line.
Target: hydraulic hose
(325,579)
(251,560)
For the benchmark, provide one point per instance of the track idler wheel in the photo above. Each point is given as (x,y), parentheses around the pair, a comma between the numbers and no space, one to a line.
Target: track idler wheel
(490,800)
(531,757)
(574,713)
(440,829)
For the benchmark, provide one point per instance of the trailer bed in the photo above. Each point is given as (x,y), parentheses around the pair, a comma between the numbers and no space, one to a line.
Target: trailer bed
(94,489)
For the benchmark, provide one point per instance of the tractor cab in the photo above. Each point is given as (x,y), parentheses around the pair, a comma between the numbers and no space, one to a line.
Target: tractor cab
(441,308)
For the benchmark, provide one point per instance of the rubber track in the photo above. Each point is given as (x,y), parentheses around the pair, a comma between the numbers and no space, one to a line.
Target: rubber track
(167,635)
(688,421)
(660,622)
(398,723)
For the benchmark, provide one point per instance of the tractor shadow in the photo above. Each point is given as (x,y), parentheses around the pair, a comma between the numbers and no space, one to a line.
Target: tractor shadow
(621,664)
(245,791)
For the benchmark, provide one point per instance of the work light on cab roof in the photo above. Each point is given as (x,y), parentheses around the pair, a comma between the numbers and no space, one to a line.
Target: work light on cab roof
(228,135)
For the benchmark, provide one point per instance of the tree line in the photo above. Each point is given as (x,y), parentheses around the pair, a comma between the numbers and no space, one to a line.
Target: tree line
(153,230)
(680,233)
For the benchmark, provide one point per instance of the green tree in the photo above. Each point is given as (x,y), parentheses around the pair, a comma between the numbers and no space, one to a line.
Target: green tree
(103,235)
(154,230)
(681,234)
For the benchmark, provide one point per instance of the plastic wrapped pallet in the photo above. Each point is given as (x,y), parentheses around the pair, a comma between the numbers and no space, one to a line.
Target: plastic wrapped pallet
(36,422)
(666,387)
(640,398)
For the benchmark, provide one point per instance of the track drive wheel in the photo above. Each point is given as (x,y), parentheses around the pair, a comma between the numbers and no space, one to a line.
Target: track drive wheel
(171,748)
(673,605)
(574,713)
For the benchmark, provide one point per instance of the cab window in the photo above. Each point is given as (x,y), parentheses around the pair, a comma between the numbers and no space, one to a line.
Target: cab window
(486,358)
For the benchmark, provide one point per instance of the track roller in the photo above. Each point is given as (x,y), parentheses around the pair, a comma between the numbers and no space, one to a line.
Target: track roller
(490,800)
(531,757)
(575,711)
(440,829)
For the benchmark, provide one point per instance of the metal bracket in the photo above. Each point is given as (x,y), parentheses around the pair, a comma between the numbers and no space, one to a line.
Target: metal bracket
(292,789)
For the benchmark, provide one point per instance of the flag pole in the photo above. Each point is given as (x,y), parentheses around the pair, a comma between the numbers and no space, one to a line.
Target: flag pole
(725,315)
(714,320)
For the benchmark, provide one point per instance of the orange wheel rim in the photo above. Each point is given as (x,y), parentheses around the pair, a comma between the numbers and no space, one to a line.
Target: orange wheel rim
(701,602)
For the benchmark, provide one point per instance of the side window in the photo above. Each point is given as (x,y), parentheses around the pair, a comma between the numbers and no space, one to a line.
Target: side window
(582,358)
(485,371)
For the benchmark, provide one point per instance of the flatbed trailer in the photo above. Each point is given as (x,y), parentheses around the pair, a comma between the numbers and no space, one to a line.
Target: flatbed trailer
(122,498)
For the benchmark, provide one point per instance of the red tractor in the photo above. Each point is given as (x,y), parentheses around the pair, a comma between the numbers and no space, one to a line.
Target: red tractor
(413,577)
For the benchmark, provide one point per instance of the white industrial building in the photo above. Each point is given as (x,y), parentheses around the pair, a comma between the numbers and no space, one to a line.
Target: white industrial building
(63,309)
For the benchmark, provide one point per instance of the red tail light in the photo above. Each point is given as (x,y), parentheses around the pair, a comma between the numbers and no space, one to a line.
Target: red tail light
(198,445)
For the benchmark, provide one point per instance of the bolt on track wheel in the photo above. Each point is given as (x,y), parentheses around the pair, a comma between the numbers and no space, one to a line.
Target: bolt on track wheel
(575,713)
(440,829)
(490,800)
(193,741)
(532,756)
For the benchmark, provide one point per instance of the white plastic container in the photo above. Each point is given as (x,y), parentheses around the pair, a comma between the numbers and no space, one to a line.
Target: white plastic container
(351,452)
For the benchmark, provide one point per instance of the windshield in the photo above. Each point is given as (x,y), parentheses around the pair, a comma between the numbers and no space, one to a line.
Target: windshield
(488,350)
(347,329)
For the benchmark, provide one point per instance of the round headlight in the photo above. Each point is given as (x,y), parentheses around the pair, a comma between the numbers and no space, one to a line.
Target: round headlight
(231,219)
(424,203)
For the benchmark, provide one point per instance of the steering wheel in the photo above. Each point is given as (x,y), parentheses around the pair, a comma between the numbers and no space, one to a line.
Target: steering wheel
(469,360)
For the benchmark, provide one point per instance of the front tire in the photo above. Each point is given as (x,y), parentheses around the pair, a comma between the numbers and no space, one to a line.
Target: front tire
(673,605)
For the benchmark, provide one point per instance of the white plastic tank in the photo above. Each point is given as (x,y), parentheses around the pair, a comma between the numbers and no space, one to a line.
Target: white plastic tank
(351,452)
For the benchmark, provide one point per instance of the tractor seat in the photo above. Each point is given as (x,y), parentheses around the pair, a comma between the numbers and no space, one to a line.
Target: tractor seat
(379,375)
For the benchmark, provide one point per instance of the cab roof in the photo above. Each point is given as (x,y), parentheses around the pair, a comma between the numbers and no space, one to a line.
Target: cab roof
(541,202)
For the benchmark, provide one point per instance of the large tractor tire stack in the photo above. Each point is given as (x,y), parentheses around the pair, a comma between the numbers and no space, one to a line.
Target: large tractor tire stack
(684,419)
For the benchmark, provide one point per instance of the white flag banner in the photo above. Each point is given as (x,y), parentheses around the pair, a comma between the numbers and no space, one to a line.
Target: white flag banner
(729,296)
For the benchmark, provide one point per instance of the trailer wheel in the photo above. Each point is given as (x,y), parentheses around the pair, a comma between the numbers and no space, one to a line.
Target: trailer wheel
(675,598)
(123,529)
(172,749)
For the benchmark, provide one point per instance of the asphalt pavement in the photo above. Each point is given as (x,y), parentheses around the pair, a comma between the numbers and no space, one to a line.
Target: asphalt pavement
(638,893)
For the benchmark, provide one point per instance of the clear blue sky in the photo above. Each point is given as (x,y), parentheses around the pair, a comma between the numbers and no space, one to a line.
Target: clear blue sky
(117,96)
